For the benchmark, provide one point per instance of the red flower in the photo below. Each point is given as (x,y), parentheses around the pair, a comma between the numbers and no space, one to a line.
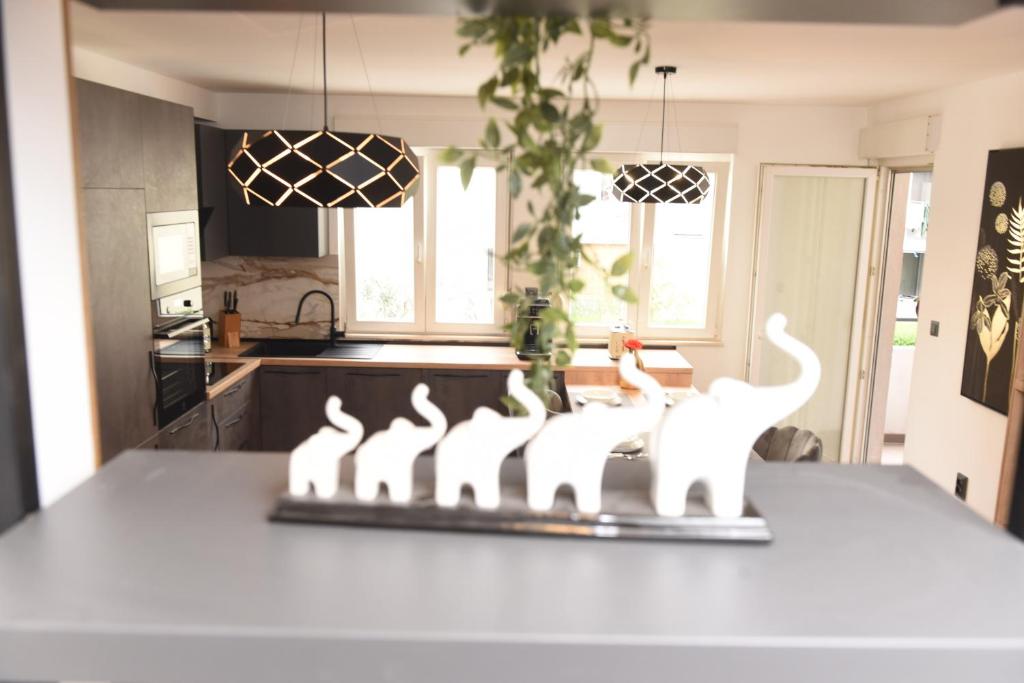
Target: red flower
(634,344)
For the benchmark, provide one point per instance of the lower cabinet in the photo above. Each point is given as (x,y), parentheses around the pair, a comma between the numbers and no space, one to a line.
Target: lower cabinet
(291,405)
(193,431)
(459,392)
(375,396)
(236,416)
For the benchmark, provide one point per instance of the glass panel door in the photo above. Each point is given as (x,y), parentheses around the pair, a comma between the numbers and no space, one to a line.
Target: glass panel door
(812,236)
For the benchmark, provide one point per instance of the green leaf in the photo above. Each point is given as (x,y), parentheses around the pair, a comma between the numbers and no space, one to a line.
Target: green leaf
(621,265)
(625,293)
(576,285)
(511,298)
(504,102)
(515,183)
(600,27)
(471,28)
(562,358)
(602,165)
(486,91)
(549,113)
(464,49)
(492,137)
(466,169)
(634,68)
(522,231)
(450,154)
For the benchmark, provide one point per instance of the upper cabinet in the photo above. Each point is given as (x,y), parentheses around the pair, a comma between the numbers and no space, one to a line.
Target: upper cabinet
(131,142)
(213,212)
(109,137)
(169,156)
(230,226)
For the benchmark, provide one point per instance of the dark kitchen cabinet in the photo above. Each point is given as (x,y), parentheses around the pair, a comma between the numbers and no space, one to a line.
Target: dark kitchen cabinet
(118,273)
(193,431)
(109,137)
(291,405)
(257,229)
(459,392)
(168,155)
(236,416)
(375,396)
(211,177)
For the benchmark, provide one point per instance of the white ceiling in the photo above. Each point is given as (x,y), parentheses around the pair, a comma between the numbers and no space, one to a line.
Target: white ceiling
(719,61)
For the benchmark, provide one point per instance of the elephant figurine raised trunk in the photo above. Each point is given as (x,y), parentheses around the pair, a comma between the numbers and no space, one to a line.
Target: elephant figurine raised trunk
(708,437)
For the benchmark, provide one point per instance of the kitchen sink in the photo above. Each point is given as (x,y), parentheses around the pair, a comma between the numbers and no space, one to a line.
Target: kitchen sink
(311,348)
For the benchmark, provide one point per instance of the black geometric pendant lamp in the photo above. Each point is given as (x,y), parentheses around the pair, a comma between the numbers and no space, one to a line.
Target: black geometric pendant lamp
(661,183)
(324,168)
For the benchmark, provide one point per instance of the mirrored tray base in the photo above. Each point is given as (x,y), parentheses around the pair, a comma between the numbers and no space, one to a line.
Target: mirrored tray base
(626,510)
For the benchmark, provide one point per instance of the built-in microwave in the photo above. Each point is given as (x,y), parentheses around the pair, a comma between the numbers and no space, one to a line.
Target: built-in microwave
(173,252)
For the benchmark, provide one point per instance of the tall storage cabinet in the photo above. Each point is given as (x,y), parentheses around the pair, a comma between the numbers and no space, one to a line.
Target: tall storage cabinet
(136,156)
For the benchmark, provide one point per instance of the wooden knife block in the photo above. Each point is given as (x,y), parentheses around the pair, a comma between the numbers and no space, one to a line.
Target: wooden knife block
(230,330)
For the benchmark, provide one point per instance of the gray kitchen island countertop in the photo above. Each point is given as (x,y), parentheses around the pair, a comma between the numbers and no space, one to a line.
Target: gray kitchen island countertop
(163,568)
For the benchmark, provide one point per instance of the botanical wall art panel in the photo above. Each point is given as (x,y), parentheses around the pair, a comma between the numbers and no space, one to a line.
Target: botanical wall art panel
(995,321)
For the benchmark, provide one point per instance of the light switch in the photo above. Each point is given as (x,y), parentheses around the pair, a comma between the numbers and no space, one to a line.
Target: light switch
(934,330)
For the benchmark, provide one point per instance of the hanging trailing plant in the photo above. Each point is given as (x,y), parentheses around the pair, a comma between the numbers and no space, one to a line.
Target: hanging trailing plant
(549,130)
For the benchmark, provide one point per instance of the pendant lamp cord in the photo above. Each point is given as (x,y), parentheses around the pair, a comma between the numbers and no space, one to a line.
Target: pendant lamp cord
(323,51)
(664,85)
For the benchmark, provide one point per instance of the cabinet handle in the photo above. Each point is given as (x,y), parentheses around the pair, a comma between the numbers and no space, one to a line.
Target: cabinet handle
(235,389)
(291,371)
(373,374)
(184,426)
(447,375)
(232,423)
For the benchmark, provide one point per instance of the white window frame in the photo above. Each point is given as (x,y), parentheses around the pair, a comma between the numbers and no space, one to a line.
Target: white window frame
(500,268)
(641,245)
(600,332)
(716,272)
(424,263)
(354,325)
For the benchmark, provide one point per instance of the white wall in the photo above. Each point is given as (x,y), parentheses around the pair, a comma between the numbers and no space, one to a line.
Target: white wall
(754,134)
(897,403)
(947,433)
(117,74)
(49,257)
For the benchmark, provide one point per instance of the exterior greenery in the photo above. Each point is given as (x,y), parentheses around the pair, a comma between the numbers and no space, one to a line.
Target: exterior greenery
(906,333)
(548,131)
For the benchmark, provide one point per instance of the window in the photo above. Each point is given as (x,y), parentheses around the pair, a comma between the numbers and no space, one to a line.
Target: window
(678,266)
(607,226)
(432,266)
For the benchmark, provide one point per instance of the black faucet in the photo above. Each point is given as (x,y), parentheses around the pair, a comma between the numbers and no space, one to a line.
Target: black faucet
(298,311)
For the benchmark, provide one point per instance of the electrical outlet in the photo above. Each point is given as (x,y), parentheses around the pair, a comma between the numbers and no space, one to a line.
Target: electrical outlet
(934,329)
(961,486)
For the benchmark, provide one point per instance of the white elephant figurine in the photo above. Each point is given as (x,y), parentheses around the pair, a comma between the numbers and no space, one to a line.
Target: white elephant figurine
(572,447)
(474,449)
(708,437)
(387,456)
(317,460)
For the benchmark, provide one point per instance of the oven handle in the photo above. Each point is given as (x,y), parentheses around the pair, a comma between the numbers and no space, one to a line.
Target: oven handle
(178,331)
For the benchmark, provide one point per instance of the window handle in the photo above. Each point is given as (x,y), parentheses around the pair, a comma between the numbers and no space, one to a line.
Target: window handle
(419,252)
(490,265)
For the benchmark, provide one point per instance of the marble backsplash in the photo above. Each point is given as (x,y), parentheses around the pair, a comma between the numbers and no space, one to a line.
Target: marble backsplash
(269,289)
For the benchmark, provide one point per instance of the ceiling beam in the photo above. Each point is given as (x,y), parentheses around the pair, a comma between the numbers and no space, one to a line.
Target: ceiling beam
(831,11)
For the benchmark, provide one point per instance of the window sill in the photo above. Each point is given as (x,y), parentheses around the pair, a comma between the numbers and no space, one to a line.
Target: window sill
(502,340)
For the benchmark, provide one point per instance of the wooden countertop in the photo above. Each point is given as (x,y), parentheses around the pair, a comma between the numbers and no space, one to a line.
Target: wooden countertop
(589,366)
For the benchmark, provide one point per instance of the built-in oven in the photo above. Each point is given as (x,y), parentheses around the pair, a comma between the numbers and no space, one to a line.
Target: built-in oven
(173,252)
(181,336)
